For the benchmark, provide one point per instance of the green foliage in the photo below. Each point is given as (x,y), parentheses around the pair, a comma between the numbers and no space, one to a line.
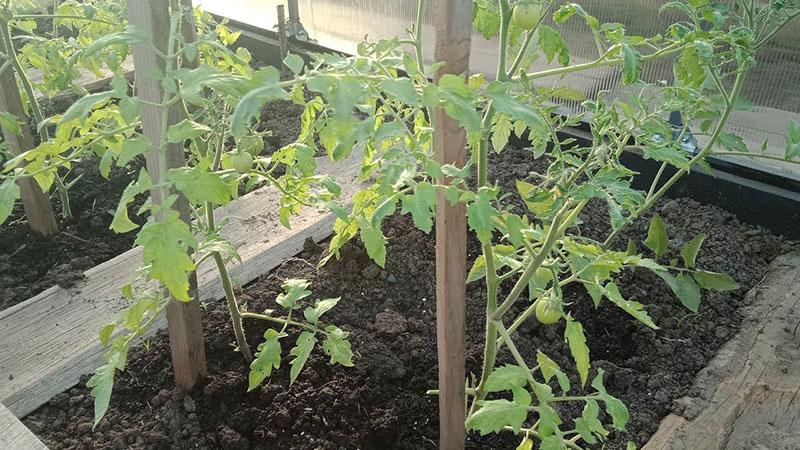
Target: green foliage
(359,106)
(577,345)
(657,237)
(9,193)
(793,141)
(690,250)
(337,346)
(166,245)
(383,117)
(267,358)
(301,352)
(494,415)
(293,298)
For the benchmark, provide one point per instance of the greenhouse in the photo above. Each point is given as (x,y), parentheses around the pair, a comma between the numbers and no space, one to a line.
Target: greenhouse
(412,224)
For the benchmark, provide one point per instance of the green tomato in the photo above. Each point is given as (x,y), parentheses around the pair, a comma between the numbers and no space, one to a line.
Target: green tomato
(251,144)
(544,274)
(547,312)
(242,162)
(526,15)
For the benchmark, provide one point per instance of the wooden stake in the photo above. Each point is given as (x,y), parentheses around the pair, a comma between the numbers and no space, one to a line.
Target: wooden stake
(186,341)
(36,203)
(189,31)
(282,39)
(453,36)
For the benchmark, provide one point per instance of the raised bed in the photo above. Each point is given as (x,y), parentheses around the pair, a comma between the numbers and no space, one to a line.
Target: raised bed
(381,402)
(50,340)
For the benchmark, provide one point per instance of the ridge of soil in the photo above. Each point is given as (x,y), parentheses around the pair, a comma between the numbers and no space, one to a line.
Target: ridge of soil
(30,264)
(381,402)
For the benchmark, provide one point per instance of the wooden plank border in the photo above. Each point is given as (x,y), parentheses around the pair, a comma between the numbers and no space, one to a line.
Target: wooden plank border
(50,340)
(14,435)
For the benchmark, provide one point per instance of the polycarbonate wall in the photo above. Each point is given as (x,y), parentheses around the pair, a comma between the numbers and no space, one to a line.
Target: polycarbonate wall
(773,85)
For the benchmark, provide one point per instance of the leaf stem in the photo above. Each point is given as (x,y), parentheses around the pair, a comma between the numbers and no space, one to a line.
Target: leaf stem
(230,295)
(282,321)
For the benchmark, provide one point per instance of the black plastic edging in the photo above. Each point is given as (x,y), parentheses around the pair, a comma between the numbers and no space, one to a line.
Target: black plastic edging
(754,196)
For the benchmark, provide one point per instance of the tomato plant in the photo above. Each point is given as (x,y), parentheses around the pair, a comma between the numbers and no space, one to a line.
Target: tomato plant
(59,53)
(203,79)
(362,102)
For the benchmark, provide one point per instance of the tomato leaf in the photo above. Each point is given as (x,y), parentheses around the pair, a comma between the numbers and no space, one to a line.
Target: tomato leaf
(657,238)
(577,346)
(165,248)
(690,249)
(9,193)
(421,205)
(494,415)
(268,357)
(635,309)
(684,287)
(720,282)
(337,346)
(301,352)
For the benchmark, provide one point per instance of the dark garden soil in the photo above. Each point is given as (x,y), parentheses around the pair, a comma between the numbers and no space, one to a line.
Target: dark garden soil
(30,264)
(381,403)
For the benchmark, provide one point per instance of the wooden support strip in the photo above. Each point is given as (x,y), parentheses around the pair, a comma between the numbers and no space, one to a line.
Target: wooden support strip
(453,36)
(36,203)
(49,341)
(152,17)
(14,435)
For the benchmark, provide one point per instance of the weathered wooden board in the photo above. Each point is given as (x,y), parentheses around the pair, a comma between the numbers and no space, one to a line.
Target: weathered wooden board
(14,435)
(750,392)
(89,80)
(50,340)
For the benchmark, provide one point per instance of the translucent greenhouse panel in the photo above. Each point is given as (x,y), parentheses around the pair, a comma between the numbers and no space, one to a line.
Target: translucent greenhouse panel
(773,87)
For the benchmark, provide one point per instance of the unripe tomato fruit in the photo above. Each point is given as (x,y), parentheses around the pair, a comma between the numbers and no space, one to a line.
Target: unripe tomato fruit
(526,14)
(544,274)
(546,311)
(242,162)
(251,144)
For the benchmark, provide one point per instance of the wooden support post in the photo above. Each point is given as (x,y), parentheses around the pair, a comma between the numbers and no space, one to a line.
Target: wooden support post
(36,203)
(453,36)
(189,31)
(282,38)
(151,17)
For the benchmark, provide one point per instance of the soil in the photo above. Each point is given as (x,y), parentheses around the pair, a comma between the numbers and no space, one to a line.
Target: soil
(390,313)
(30,264)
